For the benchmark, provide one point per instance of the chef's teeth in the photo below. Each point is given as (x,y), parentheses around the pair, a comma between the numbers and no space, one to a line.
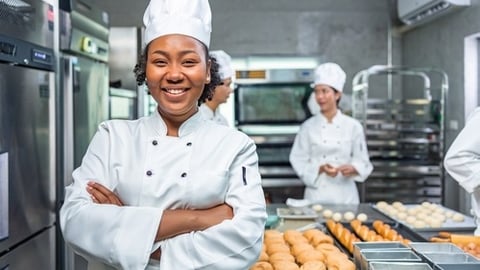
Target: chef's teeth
(175,91)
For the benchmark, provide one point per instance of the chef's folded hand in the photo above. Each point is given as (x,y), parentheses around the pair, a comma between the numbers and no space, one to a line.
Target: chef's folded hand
(347,170)
(102,195)
(328,169)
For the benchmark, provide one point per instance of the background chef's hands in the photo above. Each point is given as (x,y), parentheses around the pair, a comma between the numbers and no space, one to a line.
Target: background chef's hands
(347,170)
(328,169)
(102,195)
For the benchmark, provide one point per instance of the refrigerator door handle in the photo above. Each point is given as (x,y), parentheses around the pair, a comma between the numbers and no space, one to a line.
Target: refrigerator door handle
(70,83)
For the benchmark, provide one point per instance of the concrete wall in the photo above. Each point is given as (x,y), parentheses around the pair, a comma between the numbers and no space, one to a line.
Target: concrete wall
(440,44)
(352,33)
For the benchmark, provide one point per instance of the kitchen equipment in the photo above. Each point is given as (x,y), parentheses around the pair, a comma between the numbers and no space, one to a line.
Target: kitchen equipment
(368,256)
(405,136)
(398,266)
(269,106)
(84,99)
(27,135)
(358,247)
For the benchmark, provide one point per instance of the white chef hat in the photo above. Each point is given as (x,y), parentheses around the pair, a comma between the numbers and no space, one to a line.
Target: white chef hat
(330,74)
(187,17)
(224,61)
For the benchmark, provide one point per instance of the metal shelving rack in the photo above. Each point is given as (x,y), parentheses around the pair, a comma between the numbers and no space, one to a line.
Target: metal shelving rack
(405,137)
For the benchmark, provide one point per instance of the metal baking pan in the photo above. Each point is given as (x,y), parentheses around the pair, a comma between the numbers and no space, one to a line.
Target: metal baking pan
(457,267)
(451,258)
(399,266)
(368,256)
(429,247)
(468,224)
(375,246)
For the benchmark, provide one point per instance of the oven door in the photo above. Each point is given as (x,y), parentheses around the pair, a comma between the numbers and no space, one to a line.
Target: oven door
(271,103)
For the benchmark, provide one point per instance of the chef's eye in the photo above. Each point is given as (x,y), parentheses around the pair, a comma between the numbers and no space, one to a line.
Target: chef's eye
(189,63)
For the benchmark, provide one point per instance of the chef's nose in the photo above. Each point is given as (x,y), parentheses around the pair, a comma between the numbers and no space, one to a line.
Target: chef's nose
(174,73)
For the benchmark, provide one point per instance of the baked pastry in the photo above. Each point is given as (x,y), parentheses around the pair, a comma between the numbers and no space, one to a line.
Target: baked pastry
(298,248)
(281,257)
(316,237)
(293,236)
(313,265)
(327,248)
(285,265)
(277,247)
(339,261)
(261,266)
(263,257)
(310,255)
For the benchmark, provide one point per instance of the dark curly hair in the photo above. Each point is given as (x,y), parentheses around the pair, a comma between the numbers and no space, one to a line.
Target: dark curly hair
(209,88)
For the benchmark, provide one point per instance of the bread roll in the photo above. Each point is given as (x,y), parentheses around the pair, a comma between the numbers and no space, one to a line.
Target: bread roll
(276,248)
(348,216)
(313,265)
(280,257)
(310,255)
(362,217)
(300,247)
(263,257)
(261,266)
(285,266)
(293,236)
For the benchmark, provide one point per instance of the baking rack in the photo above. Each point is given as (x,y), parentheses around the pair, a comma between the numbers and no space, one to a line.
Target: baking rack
(405,136)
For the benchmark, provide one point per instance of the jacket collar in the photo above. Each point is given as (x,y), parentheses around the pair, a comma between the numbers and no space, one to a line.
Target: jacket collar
(190,125)
(338,116)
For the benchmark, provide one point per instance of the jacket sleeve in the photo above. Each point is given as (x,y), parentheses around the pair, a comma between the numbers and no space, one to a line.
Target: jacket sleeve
(301,160)
(107,233)
(462,160)
(233,244)
(360,157)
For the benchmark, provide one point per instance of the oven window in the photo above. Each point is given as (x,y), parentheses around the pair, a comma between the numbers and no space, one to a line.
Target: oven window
(272,104)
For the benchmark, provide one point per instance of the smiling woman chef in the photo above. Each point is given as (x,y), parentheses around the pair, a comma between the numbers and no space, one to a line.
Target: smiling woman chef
(329,152)
(171,190)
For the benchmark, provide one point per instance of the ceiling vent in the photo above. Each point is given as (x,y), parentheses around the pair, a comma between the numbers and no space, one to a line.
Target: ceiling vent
(414,12)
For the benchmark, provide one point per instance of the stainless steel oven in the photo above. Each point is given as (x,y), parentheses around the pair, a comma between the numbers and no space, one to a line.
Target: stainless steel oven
(269,106)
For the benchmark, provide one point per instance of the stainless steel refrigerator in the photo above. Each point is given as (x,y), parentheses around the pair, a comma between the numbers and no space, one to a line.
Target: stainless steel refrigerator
(84,95)
(27,135)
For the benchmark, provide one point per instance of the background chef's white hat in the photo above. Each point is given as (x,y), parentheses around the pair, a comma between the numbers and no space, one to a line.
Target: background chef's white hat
(187,17)
(224,64)
(330,74)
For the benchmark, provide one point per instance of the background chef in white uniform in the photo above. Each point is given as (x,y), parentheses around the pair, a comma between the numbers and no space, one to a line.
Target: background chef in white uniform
(462,162)
(210,106)
(171,190)
(329,152)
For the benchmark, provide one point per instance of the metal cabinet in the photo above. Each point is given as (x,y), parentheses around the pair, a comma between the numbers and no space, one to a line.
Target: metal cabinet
(405,136)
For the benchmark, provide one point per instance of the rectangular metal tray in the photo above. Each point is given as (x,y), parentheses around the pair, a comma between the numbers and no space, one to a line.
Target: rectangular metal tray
(369,256)
(467,225)
(430,247)
(451,258)
(399,266)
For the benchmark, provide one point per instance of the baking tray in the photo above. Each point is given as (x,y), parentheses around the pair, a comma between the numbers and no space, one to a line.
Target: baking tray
(400,228)
(468,224)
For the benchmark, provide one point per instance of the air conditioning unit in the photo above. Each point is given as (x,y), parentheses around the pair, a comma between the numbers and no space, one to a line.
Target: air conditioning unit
(413,12)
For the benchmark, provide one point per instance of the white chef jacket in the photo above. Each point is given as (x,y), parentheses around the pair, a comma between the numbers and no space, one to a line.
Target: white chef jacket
(215,116)
(462,161)
(208,164)
(338,143)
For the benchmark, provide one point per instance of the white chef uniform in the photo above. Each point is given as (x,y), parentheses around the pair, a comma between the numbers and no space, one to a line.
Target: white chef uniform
(208,164)
(215,116)
(462,161)
(340,142)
